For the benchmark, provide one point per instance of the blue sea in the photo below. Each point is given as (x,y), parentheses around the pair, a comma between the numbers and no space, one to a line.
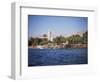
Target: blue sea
(49,57)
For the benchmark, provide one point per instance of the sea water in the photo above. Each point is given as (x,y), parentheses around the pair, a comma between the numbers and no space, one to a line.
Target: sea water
(46,57)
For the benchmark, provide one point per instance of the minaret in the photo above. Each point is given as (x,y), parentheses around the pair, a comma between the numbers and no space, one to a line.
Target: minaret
(50,36)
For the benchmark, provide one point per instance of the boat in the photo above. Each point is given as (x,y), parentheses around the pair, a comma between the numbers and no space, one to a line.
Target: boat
(40,47)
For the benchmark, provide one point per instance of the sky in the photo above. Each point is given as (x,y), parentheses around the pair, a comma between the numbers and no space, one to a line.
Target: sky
(58,25)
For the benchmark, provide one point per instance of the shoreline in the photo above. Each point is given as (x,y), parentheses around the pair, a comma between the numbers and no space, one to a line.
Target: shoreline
(56,48)
(60,47)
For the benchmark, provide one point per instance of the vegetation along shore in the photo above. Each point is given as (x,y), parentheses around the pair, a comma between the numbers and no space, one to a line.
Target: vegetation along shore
(73,41)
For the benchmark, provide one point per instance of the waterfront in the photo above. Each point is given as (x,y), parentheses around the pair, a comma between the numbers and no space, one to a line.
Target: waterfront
(48,57)
(57,40)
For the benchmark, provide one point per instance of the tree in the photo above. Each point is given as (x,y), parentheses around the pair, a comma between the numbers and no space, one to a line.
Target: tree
(59,40)
(44,35)
(85,37)
(29,43)
(74,39)
(43,42)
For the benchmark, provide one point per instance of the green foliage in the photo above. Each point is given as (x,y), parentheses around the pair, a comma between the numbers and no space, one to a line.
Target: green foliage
(74,39)
(29,43)
(59,40)
(85,37)
(44,35)
(37,41)
(43,41)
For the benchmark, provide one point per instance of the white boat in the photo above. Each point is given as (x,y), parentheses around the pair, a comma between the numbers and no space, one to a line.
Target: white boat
(40,47)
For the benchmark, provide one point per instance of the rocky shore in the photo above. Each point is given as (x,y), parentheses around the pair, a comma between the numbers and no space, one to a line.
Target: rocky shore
(60,46)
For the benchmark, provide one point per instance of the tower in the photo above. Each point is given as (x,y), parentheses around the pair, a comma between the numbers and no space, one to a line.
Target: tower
(50,36)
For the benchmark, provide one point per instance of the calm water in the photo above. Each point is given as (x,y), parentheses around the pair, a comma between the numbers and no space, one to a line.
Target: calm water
(44,57)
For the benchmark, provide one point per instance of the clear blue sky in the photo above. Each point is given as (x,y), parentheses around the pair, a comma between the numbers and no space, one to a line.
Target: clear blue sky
(58,25)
